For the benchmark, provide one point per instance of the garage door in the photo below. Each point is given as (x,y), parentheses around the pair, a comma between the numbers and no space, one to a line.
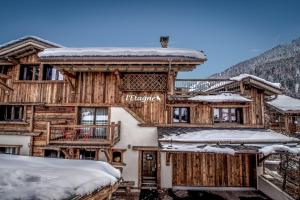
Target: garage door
(214,170)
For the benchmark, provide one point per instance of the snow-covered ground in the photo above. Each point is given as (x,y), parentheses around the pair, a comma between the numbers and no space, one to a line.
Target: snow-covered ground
(23,177)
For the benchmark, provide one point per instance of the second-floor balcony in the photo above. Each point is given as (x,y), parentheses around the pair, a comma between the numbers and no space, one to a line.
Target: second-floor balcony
(205,86)
(84,134)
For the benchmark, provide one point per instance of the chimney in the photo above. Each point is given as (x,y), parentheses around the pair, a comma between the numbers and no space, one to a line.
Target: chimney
(164,40)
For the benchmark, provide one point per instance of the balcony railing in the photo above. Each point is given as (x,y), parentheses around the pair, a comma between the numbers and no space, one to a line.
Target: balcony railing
(84,134)
(205,86)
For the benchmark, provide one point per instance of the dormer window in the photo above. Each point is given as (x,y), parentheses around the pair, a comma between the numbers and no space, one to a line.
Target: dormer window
(50,73)
(29,72)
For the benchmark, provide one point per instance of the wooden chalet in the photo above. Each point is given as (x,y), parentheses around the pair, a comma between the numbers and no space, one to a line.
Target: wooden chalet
(283,114)
(125,106)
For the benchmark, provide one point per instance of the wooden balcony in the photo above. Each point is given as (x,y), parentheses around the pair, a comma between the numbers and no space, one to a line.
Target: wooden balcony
(83,134)
(205,86)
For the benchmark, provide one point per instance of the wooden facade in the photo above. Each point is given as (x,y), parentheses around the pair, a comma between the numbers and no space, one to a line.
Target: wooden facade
(214,170)
(51,110)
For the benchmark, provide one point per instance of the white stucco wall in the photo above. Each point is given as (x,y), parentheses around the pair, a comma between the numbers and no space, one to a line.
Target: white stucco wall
(24,141)
(134,135)
(166,172)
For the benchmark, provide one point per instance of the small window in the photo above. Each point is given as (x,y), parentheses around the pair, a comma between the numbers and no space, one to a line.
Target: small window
(117,156)
(228,115)
(87,155)
(9,150)
(51,73)
(11,113)
(3,69)
(181,115)
(29,72)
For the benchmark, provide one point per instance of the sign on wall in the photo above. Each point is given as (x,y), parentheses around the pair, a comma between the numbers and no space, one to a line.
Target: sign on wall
(142,98)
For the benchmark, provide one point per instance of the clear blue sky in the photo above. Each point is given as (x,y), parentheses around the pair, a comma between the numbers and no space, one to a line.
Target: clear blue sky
(229,31)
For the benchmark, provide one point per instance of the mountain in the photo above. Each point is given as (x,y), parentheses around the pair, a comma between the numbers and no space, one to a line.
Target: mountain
(280,64)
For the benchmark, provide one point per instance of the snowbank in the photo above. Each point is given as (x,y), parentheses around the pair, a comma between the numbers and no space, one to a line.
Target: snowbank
(120,52)
(23,177)
(285,103)
(224,97)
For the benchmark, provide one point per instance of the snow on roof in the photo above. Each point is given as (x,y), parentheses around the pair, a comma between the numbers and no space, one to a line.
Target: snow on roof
(224,97)
(197,148)
(121,52)
(243,76)
(27,38)
(285,103)
(227,136)
(275,148)
(23,177)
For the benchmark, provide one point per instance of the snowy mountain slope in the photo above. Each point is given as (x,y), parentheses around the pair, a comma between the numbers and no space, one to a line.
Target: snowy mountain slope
(279,64)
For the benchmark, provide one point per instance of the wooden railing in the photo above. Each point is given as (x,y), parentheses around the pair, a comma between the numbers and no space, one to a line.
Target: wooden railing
(205,86)
(84,134)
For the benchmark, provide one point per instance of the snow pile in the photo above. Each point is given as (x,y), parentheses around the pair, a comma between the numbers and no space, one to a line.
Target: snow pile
(229,136)
(29,37)
(274,148)
(243,76)
(120,52)
(285,103)
(24,177)
(224,97)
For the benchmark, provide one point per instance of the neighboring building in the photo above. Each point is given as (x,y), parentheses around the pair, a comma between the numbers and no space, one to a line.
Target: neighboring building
(283,114)
(125,106)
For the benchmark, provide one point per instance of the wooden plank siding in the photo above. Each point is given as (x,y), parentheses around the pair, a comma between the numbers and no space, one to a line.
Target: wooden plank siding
(213,170)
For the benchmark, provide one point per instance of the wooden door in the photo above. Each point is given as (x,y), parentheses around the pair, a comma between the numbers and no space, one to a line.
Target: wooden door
(214,170)
(149,164)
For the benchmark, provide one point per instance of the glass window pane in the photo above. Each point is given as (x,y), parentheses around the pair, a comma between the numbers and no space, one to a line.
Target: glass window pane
(176,115)
(225,115)
(184,115)
(101,116)
(233,114)
(87,116)
(217,117)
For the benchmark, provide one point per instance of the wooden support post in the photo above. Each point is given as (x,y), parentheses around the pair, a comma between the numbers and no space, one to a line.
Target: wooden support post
(112,132)
(48,133)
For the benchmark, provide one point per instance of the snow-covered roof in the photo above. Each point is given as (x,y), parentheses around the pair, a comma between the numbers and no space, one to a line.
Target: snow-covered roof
(23,177)
(27,38)
(286,103)
(244,76)
(224,97)
(121,52)
(230,136)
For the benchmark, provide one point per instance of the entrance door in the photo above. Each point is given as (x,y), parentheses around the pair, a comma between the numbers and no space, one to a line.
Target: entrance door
(149,168)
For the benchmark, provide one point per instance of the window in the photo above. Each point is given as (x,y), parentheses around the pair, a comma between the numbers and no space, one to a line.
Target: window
(3,69)
(87,155)
(117,156)
(29,72)
(9,150)
(228,115)
(95,116)
(11,113)
(51,73)
(181,115)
